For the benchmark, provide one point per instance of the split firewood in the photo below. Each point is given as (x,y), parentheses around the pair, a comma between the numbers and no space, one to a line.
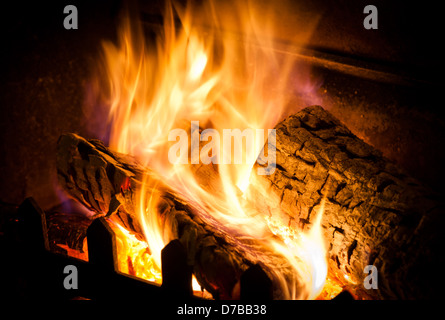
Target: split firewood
(108,183)
(374,213)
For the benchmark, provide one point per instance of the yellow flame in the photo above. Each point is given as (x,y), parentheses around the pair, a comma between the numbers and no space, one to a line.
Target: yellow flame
(224,83)
(134,256)
(307,253)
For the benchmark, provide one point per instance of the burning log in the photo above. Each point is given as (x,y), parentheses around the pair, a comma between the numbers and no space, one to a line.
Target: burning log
(107,182)
(374,214)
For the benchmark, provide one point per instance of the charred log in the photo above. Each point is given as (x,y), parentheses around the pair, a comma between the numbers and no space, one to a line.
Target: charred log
(108,183)
(374,214)
(65,239)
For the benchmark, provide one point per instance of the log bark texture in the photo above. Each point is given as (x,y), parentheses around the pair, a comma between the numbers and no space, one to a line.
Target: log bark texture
(374,213)
(108,183)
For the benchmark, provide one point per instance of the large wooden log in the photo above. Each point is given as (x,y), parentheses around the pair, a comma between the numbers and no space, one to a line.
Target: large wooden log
(374,213)
(108,183)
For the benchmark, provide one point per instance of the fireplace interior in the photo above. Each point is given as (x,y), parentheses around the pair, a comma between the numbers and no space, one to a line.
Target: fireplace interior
(384,86)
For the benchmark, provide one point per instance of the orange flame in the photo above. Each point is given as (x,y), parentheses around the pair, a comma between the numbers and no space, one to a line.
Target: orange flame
(134,256)
(212,77)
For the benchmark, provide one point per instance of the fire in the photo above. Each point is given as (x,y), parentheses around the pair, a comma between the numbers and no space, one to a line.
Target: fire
(134,256)
(306,252)
(212,77)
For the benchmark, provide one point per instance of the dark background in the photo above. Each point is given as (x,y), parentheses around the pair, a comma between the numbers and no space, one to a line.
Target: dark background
(45,72)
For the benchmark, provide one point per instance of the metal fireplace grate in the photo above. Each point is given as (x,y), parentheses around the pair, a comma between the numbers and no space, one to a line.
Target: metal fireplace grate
(32,271)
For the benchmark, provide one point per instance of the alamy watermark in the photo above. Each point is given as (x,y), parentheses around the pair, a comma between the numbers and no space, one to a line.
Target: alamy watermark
(211,152)
(371,280)
(70,281)
(70,21)
(371,20)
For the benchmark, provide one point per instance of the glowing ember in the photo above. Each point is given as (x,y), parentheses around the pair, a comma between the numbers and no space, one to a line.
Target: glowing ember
(134,256)
(212,78)
(76,253)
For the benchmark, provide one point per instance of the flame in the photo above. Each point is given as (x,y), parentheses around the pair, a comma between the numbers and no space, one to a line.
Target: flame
(307,253)
(212,78)
(134,256)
